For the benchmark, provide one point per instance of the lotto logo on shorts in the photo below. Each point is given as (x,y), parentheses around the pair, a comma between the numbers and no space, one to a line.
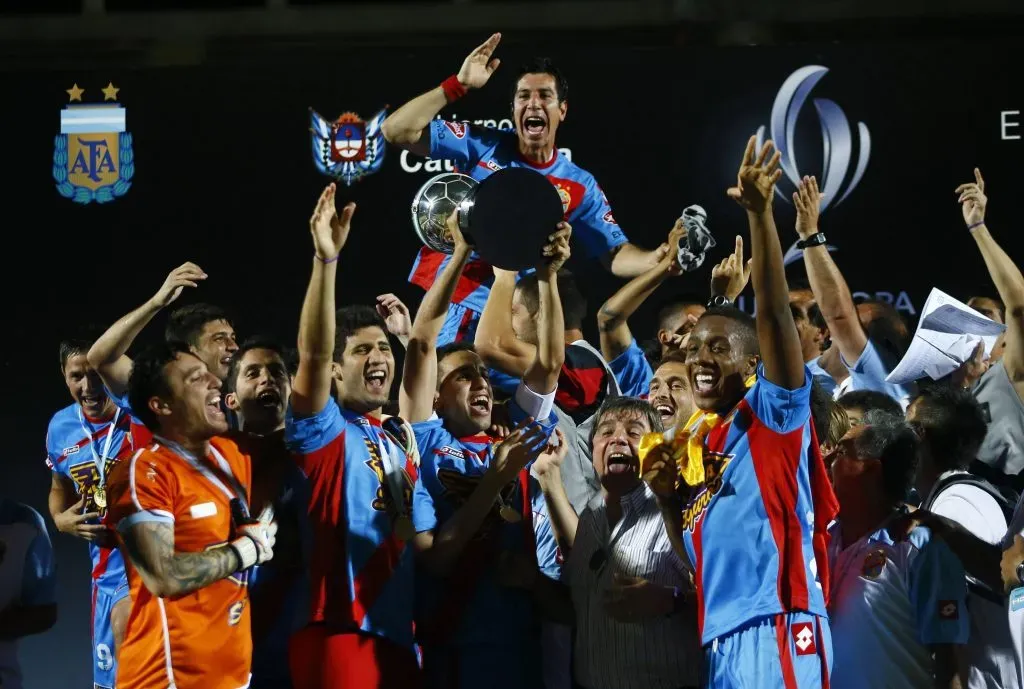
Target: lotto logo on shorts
(803,638)
(456,128)
(949,610)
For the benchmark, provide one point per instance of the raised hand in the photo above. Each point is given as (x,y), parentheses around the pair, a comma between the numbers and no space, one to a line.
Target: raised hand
(522,446)
(755,181)
(731,275)
(807,200)
(396,316)
(453,233)
(330,230)
(659,471)
(72,521)
(557,251)
(971,371)
(185,275)
(549,462)
(973,200)
(671,248)
(478,66)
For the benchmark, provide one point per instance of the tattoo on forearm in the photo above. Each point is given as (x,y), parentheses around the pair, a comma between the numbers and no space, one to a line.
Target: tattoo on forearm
(614,319)
(151,548)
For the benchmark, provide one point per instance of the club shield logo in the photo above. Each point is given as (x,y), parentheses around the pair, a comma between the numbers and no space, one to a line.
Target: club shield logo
(836,136)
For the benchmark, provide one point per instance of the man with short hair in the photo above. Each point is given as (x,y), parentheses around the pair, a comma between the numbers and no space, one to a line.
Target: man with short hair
(475,501)
(361,569)
(83,442)
(630,589)
(28,585)
(898,612)
(207,331)
(857,403)
(539,105)
(951,427)
(669,391)
(750,458)
(181,507)
(675,321)
(257,390)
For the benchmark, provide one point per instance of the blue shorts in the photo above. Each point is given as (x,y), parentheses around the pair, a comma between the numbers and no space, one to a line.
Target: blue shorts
(459,325)
(791,651)
(104,669)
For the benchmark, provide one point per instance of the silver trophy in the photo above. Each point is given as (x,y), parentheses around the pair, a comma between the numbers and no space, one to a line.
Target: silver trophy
(435,201)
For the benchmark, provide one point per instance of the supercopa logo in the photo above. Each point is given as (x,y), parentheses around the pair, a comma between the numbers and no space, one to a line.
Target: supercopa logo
(836,135)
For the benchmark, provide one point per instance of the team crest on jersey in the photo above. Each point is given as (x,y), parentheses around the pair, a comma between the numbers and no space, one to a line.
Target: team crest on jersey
(87,479)
(92,156)
(348,148)
(458,129)
(566,197)
(873,565)
(715,464)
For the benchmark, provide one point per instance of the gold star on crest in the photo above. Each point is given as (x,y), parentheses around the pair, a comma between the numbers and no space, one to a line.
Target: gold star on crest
(75,93)
(110,92)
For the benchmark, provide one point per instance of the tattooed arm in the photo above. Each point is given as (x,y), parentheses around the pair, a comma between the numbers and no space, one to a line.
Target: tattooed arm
(150,546)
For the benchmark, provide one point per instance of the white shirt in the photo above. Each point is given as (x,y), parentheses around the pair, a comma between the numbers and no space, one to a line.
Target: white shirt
(657,653)
(989,654)
(889,602)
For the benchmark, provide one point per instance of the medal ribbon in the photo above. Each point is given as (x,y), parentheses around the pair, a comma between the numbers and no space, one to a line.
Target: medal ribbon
(100,460)
(391,457)
(235,491)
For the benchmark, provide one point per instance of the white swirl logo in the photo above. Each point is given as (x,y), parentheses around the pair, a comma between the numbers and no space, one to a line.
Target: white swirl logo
(837,140)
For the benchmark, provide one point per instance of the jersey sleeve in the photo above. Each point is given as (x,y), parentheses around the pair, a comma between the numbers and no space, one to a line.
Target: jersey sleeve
(781,410)
(870,370)
(308,434)
(140,491)
(430,435)
(53,453)
(424,518)
(632,371)
(593,224)
(461,142)
(938,591)
(39,580)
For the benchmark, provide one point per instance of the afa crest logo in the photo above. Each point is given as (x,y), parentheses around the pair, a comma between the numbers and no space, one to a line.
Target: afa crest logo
(92,155)
(347,149)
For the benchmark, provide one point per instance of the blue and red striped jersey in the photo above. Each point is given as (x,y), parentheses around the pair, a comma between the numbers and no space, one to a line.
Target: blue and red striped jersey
(481,151)
(756,531)
(74,445)
(361,573)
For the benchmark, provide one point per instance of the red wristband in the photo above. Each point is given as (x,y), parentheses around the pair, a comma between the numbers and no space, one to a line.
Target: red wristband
(453,90)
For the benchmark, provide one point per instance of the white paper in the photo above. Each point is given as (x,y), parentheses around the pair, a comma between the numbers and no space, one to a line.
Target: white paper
(946,336)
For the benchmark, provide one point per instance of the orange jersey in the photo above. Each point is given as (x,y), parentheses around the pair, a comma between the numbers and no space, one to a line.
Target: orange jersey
(200,639)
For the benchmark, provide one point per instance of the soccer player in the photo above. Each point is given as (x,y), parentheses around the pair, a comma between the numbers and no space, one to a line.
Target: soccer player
(539,105)
(257,390)
(181,509)
(204,329)
(361,481)
(754,528)
(83,442)
(475,502)
(28,587)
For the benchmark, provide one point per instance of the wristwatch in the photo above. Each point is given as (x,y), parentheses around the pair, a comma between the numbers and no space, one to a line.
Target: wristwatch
(718,300)
(816,239)
(1020,573)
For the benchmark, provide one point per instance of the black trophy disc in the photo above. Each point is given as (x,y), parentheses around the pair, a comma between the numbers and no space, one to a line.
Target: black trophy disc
(514,211)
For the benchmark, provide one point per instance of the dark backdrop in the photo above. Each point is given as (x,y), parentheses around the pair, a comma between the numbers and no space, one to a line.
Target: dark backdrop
(224,178)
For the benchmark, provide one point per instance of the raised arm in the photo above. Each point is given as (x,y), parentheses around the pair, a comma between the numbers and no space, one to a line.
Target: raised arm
(776,331)
(548,470)
(613,316)
(1004,273)
(542,374)
(830,289)
(313,380)
(419,379)
(406,127)
(108,355)
(495,340)
(628,260)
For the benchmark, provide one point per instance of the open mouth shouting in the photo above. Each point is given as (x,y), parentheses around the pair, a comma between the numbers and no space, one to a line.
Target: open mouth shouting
(269,398)
(534,126)
(377,381)
(93,402)
(480,404)
(213,408)
(621,463)
(705,381)
(666,408)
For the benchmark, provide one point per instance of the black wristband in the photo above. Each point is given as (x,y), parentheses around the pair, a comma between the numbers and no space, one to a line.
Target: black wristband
(816,239)
(1020,573)
(718,300)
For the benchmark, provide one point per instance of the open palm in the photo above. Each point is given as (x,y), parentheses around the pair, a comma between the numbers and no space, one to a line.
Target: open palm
(755,182)
(330,230)
(478,66)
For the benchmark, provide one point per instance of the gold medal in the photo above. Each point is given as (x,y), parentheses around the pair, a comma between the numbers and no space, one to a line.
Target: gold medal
(510,514)
(99,497)
(404,528)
